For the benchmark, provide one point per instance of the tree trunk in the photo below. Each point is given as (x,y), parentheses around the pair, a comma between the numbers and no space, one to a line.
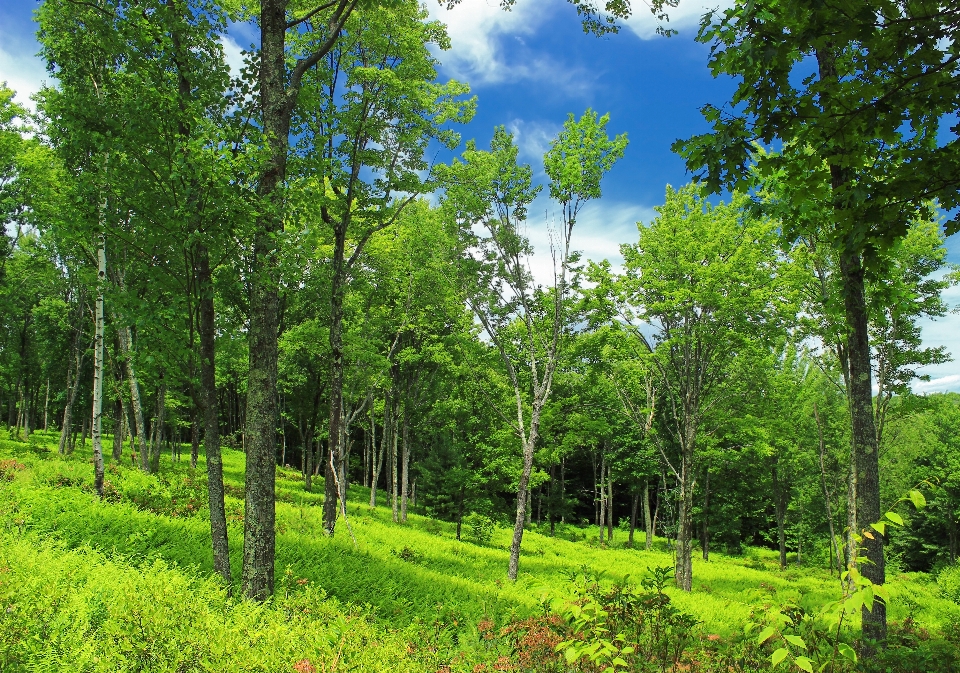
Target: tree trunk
(158,427)
(834,548)
(126,348)
(98,369)
(634,502)
(705,543)
(211,418)
(780,501)
(529,446)
(46,406)
(647,519)
(394,500)
(684,565)
(405,469)
(329,493)
(259,439)
(194,438)
(602,493)
(609,503)
(118,430)
(73,387)
(864,440)
(378,449)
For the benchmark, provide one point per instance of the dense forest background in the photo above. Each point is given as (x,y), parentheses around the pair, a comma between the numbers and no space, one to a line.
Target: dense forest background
(273,261)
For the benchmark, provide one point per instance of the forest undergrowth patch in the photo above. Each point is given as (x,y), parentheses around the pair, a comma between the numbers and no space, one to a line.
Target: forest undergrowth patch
(425,597)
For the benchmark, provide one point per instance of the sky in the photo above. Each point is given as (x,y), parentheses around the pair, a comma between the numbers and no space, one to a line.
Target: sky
(530,68)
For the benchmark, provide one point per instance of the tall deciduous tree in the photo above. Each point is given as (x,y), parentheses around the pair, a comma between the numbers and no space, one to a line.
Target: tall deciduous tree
(490,192)
(859,94)
(704,281)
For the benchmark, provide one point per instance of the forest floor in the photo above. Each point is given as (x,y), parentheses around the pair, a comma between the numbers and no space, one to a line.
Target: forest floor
(126,584)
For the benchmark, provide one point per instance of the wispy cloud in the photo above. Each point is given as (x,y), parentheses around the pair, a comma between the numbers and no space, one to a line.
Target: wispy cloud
(685,17)
(489,46)
(942,384)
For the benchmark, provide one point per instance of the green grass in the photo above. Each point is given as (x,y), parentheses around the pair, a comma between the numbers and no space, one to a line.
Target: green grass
(398,577)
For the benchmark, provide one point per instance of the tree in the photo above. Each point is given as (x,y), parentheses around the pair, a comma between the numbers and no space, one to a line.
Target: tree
(489,190)
(858,94)
(703,280)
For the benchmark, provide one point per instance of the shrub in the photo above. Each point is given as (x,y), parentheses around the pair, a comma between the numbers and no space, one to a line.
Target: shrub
(948,581)
(480,528)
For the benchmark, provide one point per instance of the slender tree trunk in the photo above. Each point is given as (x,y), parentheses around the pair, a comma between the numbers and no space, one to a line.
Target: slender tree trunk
(647,519)
(684,565)
(73,388)
(460,506)
(705,544)
(98,369)
(602,496)
(194,438)
(158,427)
(126,348)
(211,418)
(405,469)
(117,430)
(529,446)
(634,502)
(609,503)
(780,501)
(379,449)
(394,500)
(46,406)
(834,549)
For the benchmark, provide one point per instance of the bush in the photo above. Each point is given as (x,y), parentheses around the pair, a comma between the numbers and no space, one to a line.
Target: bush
(948,582)
(480,528)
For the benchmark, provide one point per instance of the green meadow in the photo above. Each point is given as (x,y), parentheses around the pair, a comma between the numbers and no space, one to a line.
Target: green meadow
(127,584)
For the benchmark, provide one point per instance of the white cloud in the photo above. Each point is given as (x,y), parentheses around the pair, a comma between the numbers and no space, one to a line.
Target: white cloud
(533,139)
(942,384)
(479,30)
(685,17)
(232,54)
(21,69)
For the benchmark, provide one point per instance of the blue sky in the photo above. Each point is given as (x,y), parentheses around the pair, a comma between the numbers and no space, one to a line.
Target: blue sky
(532,66)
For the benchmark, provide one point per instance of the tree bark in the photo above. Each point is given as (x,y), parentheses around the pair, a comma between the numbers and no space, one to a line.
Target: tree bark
(118,429)
(780,510)
(211,418)
(705,543)
(126,348)
(73,387)
(405,468)
(684,564)
(98,369)
(647,519)
(864,439)
(634,503)
(834,549)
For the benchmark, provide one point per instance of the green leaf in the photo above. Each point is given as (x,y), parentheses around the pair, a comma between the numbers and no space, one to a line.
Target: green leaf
(847,652)
(916,497)
(894,517)
(880,527)
(796,640)
(765,634)
(804,663)
(778,656)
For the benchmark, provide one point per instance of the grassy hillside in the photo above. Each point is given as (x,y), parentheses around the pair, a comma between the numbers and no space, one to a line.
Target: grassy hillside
(126,584)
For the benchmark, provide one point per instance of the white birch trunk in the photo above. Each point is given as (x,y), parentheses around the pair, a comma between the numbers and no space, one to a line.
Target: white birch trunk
(98,367)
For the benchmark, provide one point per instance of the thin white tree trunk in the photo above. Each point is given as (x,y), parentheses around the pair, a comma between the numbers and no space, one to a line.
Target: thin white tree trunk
(98,367)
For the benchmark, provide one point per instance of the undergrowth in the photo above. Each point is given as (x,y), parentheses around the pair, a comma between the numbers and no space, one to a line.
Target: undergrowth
(126,583)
